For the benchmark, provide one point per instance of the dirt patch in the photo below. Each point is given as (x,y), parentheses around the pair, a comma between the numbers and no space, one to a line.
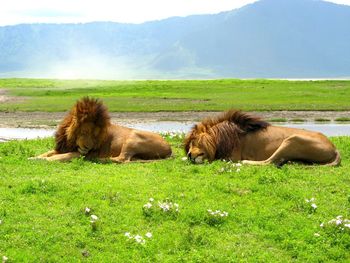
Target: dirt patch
(52,119)
(9,99)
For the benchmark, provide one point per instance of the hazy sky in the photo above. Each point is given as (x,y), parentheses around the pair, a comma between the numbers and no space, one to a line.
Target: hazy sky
(127,11)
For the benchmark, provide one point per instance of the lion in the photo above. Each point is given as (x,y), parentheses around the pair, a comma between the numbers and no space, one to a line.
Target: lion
(238,136)
(87,131)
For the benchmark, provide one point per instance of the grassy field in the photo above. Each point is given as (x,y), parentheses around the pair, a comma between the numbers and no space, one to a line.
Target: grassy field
(43,217)
(207,95)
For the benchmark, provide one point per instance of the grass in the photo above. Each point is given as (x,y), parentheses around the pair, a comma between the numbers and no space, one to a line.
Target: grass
(342,119)
(198,95)
(42,208)
(322,120)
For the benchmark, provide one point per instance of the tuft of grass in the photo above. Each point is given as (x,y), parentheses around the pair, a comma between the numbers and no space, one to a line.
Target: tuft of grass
(274,215)
(297,120)
(342,119)
(278,120)
(322,120)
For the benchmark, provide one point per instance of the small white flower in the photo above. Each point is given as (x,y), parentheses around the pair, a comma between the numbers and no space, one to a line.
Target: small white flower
(4,259)
(238,170)
(127,234)
(94,218)
(310,200)
(314,206)
(87,210)
(151,199)
(148,205)
(139,239)
(322,224)
(148,234)
(338,222)
(238,164)
(184,158)
(317,235)
(347,225)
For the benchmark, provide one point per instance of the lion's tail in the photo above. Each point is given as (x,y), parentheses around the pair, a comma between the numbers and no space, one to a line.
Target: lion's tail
(336,161)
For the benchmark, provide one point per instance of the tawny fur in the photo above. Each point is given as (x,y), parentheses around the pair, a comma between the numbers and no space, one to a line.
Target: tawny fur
(238,136)
(87,131)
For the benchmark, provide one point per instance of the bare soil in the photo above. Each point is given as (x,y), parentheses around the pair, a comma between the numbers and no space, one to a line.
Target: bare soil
(52,119)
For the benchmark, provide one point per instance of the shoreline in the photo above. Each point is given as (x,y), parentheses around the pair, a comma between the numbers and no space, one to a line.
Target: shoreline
(52,119)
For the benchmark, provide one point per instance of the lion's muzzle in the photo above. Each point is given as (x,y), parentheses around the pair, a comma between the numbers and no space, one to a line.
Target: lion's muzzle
(195,159)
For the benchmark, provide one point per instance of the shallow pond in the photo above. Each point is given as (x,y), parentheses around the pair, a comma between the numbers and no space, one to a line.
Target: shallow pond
(27,133)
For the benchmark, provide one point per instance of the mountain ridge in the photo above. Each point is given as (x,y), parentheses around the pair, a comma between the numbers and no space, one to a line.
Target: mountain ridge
(265,39)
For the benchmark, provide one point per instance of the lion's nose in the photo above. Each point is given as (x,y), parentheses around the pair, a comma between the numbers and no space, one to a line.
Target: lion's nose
(189,155)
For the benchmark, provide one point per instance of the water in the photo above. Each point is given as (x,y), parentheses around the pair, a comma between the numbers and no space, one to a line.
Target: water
(168,126)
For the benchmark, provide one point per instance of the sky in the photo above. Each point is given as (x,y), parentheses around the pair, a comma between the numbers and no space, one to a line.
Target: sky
(124,11)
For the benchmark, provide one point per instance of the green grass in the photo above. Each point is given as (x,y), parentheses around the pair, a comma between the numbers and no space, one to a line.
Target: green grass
(343,119)
(43,220)
(322,120)
(199,95)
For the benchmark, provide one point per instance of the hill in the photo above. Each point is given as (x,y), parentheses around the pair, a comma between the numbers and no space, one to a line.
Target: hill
(269,38)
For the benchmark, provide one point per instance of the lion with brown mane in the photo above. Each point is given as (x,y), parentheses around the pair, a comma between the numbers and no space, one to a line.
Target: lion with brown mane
(237,136)
(87,131)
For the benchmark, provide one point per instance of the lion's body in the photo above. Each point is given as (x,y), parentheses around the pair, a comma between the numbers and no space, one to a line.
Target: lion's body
(240,137)
(87,131)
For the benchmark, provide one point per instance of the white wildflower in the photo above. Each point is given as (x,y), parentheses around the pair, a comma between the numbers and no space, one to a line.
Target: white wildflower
(322,224)
(317,235)
(148,205)
(238,170)
(148,234)
(184,158)
(314,206)
(151,199)
(87,210)
(4,259)
(310,200)
(238,164)
(94,218)
(139,239)
(347,225)
(127,234)
(338,222)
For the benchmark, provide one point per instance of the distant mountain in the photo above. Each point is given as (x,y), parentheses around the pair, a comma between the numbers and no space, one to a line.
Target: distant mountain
(269,38)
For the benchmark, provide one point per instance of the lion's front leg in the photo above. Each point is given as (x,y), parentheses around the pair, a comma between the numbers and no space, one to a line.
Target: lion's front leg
(64,157)
(43,156)
(54,156)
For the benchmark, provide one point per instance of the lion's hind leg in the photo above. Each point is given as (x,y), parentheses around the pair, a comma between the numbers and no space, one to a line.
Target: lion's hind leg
(300,148)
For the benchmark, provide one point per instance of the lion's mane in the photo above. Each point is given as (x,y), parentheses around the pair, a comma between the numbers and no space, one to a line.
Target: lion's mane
(222,133)
(86,109)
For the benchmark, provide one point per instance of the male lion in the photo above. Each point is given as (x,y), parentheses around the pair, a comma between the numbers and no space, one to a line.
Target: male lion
(235,136)
(87,131)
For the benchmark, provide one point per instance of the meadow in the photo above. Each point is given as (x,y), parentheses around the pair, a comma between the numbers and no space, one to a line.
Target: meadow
(158,212)
(190,95)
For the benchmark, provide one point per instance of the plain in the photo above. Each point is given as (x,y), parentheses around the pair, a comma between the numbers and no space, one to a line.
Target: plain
(273,215)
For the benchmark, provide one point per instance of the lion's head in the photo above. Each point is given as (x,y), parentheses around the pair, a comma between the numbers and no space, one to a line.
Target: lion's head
(84,128)
(216,138)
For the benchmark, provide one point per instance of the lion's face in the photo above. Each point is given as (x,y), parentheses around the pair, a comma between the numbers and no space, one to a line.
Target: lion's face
(87,137)
(199,148)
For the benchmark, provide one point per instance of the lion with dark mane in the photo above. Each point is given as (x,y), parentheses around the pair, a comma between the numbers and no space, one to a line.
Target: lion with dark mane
(237,136)
(87,131)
